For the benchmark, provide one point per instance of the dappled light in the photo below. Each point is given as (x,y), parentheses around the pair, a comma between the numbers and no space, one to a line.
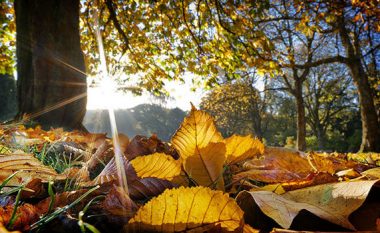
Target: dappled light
(189,116)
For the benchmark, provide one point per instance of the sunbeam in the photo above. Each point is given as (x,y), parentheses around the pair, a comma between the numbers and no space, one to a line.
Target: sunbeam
(109,87)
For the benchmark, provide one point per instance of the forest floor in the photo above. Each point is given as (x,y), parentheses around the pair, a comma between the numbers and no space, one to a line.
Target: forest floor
(59,181)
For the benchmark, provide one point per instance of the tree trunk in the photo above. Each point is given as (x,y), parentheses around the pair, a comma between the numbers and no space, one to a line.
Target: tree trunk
(301,121)
(51,81)
(321,136)
(370,123)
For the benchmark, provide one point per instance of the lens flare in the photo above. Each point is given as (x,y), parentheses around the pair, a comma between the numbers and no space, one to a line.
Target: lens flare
(108,86)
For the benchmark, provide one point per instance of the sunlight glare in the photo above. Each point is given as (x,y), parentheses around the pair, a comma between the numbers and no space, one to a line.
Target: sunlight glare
(109,87)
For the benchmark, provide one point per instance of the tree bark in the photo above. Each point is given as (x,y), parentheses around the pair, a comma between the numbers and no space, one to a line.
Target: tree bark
(51,81)
(321,136)
(301,120)
(370,123)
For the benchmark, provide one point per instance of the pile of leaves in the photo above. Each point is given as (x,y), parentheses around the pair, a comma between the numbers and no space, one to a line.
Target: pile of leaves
(57,181)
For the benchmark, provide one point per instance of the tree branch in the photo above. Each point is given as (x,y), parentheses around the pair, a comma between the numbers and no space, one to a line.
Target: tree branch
(116,23)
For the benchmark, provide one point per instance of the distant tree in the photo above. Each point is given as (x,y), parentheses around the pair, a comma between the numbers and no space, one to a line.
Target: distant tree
(328,92)
(144,119)
(291,47)
(154,119)
(355,24)
(237,108)
(282,116)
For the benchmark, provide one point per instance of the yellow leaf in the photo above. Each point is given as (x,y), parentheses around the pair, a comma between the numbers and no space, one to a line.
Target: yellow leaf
(240,148)
(157,165)
(4,150)
(201,148)
(275,188)
(373,173)
(186,209)
(4,230)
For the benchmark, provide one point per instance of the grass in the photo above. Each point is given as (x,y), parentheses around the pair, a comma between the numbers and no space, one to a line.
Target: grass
(49,156)
(50,216)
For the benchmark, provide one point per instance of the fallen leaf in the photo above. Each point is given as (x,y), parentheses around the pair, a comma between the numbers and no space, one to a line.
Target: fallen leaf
(158,165)
(332,202)
(188,209)
(348,173)
(27,214)
(123,141)
(248,229)
(239,148)
(142,189)
(141,145)
(28,166)
(281,159)
(201,148)
(373,173)
(138,188)
(118,206)
(4,230)
(270,176)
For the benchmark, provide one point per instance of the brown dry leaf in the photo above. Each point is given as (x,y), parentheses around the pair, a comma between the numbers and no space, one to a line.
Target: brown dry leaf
(201,147)
(27,214)
(141,145)
(325,162)
(118,206)
(239,148)
(184,209)
(138,188)
(148,187)
(158,165)
(281,159)
(123,141)
(270,176)
(28,167)
(332,202)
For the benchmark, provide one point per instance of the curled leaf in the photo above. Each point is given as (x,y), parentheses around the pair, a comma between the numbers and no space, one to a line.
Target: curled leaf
(186,209)
(30,168)
(200,146)
(332,202)
(239,148)
(158,165)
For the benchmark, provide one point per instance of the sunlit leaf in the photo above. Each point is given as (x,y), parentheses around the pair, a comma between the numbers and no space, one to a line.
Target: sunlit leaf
(373,173)
(200,146)
(239,148)
(157,165)
(185,209)
(332,202)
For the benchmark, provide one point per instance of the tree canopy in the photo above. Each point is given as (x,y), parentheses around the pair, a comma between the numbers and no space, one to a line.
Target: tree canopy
(149,42)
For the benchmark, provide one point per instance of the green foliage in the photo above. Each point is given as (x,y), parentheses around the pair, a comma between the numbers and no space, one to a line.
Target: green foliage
(7,38)
(149,42)
(290,142)
(237,108)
